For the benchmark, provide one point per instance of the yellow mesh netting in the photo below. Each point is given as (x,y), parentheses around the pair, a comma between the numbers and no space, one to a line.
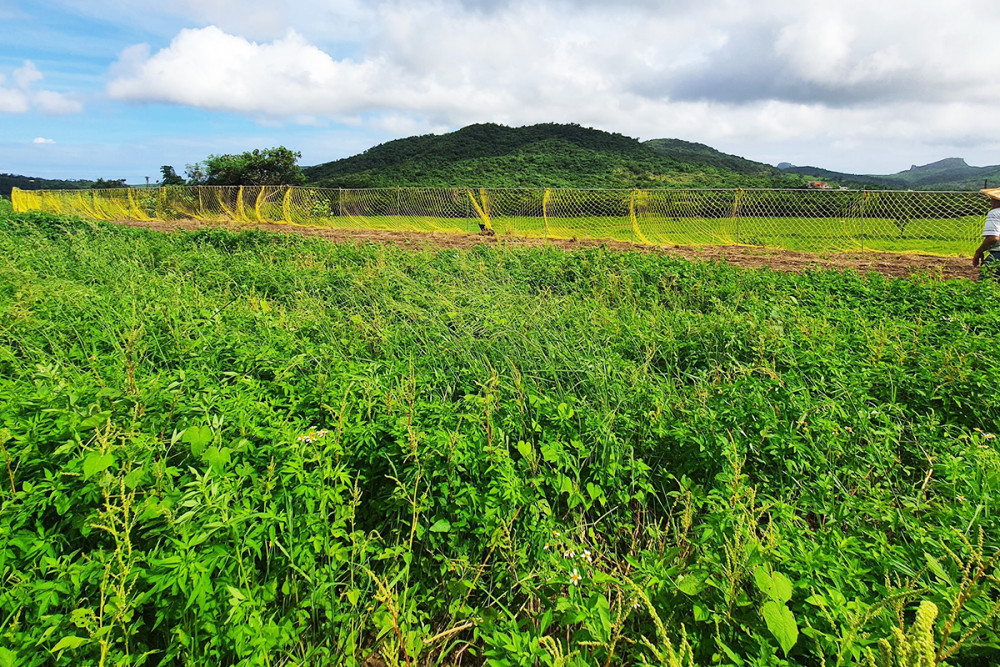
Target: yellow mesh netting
(809,220)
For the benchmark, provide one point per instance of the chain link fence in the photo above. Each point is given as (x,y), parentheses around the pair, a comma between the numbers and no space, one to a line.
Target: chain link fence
(947,223)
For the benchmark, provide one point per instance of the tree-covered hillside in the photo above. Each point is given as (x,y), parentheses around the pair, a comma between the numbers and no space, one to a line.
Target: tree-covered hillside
(687,151)
(10,181)
(948,174)
(546,155)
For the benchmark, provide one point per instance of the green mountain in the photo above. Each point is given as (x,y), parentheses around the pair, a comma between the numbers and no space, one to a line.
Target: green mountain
(10,181)
(546,155)
(687,151)
(949,174)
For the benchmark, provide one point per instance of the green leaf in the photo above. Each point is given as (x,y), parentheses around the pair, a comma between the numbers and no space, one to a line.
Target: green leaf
(95,463)
(781,588)
(198,437)
(524,448)
(781,622)
(216,457)
(95,420)
(935,567)
(737,660)
(550,452)
(763,579)
(565,484)
(134,478)
(776,586)
(690,584)
(7,658)
(441,526)
(69,642)
(600,604)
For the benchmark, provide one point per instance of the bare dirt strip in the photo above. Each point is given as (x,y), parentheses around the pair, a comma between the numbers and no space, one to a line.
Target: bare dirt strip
(889,264)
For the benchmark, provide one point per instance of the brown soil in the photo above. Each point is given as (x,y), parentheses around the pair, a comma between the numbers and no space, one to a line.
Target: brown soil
(889,264)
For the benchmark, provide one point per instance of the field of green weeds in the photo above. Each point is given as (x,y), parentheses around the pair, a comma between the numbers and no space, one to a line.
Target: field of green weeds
(254,449)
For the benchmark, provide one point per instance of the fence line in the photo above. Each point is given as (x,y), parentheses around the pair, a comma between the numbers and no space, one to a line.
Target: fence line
(810,220)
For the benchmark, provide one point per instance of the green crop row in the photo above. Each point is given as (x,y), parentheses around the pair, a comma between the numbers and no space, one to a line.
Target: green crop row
(262,449)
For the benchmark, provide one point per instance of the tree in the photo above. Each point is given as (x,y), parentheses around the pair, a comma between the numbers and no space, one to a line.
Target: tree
(102,184)
(271,166)
(195,173)
(170,176)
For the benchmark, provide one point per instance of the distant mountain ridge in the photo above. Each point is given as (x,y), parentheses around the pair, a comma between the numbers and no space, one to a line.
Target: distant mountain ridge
(948,174)
(551,155)
(544,155)
(10,181)
(679,149)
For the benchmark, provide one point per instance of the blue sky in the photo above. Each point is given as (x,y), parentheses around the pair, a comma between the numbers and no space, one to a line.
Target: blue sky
(116,89)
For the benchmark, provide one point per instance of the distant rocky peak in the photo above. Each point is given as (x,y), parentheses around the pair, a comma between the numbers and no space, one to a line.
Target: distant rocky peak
(947,163)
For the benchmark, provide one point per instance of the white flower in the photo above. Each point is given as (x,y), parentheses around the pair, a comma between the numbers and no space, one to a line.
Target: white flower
(586,554)
(575,578)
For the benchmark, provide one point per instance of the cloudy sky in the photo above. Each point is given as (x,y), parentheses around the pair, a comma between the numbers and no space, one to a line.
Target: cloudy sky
(115,89)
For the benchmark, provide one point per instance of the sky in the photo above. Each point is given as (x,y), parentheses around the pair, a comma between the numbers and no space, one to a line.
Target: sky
(115,89)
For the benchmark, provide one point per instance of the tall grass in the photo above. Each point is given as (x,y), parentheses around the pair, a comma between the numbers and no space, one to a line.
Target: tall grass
(252,449)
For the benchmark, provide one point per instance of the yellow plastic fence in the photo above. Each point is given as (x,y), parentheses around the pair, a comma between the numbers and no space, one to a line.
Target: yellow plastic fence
(809,220)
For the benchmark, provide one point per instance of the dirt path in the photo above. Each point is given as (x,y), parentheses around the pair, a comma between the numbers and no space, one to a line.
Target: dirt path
(890,264)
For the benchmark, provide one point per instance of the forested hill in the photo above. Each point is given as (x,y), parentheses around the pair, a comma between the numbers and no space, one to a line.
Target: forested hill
(546,155)
(948,174)
(10,181)
(687,151)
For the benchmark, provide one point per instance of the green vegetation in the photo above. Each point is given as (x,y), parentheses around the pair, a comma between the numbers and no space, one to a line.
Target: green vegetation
(956,237)
(11,181)
(169,176)
(540,156)
(251,449)
(108,184)
(686,151)
(270,166)
(948,174)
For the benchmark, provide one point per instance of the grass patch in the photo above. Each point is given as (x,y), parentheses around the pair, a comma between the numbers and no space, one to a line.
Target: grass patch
(248,448)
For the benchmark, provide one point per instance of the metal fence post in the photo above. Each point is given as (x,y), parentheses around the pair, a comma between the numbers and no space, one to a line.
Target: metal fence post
(545,210)
(736,212)
(861,211)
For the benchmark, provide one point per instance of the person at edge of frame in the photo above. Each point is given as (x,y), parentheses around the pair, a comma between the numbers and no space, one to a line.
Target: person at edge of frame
(988,252)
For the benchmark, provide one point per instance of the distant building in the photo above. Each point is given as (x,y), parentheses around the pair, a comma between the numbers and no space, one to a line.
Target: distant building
(819,185)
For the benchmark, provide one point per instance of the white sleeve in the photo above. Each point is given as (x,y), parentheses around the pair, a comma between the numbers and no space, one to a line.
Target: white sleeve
(992,226)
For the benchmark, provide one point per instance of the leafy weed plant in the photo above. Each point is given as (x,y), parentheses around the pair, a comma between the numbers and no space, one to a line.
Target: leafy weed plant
(251,449)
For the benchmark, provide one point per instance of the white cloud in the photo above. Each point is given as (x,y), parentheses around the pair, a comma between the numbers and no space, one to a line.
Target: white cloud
(211,69)
(772,73)
(26,75)
(21,97)
(43,140)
